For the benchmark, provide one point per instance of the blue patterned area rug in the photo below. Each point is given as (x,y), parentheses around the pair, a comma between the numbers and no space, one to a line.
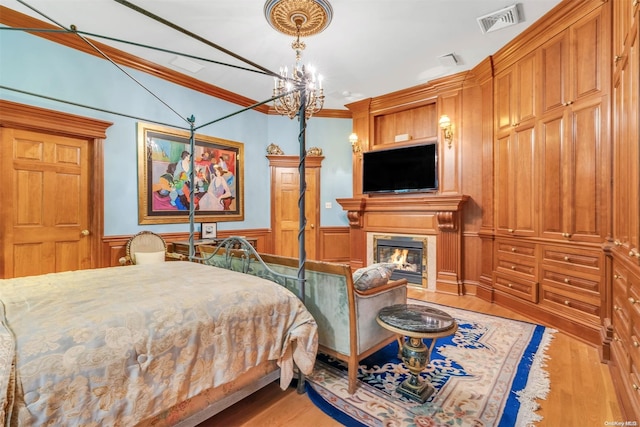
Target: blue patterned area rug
(490,373)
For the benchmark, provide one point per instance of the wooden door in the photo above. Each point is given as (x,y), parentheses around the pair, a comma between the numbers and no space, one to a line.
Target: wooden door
(285,192)
(45,208)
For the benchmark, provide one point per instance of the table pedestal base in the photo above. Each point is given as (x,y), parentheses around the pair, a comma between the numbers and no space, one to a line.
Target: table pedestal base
(415,356)
(420,392)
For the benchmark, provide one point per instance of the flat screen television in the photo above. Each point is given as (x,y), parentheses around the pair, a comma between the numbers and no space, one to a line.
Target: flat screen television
(400,170)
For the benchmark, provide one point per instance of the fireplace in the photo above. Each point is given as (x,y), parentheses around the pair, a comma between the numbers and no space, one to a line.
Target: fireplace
(408,253)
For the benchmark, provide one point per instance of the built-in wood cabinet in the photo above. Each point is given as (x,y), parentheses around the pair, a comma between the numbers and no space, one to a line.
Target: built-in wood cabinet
(552,167)
(418,124)
(574,170)
(624,256)
(574,155)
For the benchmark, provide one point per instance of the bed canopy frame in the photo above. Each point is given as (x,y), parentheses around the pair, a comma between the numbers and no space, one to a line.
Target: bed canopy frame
(297,86)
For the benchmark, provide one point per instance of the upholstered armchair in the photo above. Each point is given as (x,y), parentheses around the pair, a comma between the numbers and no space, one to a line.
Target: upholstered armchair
(346,316)
(147,247)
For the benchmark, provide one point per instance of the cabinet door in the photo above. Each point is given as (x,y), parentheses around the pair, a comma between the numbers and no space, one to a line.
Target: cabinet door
(589,58)
(622,16)
(554,66)
(586,172)
(553,153)
(626,161)
(515,183)
(572,63)
(573,173)
(515,94)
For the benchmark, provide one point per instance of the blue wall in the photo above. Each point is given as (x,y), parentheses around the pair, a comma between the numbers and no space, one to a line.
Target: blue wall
(35,65)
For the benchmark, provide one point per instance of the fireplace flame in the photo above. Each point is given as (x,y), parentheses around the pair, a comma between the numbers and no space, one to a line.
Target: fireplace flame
(399,257)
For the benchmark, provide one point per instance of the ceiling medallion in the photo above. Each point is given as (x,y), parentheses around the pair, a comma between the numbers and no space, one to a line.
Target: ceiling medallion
(312,16)
(302,85)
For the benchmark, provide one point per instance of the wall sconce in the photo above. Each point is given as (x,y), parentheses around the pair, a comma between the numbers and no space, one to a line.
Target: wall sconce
(445,125)
(355,144)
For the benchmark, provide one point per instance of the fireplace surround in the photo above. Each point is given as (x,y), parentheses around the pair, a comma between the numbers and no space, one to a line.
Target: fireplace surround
(438,217)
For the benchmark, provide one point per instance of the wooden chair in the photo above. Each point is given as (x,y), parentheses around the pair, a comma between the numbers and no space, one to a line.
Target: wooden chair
(147,247)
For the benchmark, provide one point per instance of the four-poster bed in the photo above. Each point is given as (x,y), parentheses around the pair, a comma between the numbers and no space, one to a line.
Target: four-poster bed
(163,344)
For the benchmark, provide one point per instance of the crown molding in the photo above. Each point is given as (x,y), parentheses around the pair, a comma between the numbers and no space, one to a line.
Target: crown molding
(12,18)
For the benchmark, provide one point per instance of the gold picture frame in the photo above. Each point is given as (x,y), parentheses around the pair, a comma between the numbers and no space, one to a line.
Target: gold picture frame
(164,182)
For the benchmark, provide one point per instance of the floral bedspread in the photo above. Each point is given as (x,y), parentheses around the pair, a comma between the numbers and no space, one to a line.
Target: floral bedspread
(115,346)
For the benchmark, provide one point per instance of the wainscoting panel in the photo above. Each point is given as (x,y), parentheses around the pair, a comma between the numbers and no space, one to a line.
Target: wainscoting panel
(334,244)
(114,246)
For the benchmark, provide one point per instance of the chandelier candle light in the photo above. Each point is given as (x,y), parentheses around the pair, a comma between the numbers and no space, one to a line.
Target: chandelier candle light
(299,18)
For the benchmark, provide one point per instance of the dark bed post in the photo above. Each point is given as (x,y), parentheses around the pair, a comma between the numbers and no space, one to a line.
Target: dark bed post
(302,222)
(192,206)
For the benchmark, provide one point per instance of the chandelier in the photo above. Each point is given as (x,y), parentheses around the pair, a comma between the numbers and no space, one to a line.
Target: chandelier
(299,18)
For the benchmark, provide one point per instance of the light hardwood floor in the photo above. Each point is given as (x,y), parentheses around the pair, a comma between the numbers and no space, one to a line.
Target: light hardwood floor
(582,394)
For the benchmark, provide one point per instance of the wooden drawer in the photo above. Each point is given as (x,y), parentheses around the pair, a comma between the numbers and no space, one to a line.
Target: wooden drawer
(521,288)
(620,280)
(565,301)
(577,259)
(633,300)
(635,388)
(523,249)
(588,284)
(524,265)
(620,356)
(633,345)
(620,317)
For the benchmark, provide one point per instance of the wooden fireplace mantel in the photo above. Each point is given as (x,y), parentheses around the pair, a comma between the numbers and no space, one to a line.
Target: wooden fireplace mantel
(437,215)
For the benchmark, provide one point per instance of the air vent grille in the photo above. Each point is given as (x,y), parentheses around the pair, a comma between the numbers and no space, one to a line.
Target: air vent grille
(500,19)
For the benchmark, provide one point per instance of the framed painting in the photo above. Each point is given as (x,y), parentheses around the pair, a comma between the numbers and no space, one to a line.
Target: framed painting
(165,179)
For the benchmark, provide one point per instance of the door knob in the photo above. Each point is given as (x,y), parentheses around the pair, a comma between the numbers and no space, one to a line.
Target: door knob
(85,232)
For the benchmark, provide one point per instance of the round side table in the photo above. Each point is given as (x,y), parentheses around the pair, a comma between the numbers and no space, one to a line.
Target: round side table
(416,322)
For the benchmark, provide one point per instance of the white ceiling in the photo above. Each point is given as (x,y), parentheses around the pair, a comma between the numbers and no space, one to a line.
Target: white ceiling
(370,48)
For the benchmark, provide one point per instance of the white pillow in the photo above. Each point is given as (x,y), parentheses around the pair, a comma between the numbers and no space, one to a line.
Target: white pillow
(148,257)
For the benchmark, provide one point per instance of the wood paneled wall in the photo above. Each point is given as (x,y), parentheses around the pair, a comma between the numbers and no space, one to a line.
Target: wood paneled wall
(334,243)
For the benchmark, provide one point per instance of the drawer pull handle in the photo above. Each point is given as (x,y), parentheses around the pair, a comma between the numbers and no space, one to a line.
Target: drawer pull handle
(617,242)
(636,344)
(632,301)
(566,258)
(615,276)
(567,302)
(513,267)
(513,249)
(635,387)
(510,230)
(616,308)
(567,280)
(509,285)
